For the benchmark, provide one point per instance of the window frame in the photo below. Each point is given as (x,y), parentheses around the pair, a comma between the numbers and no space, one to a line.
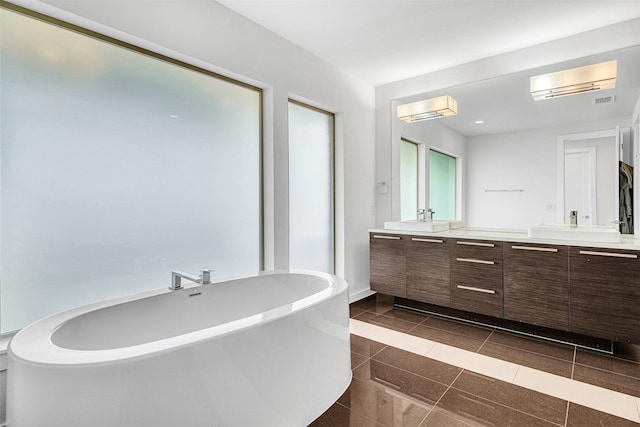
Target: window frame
(417,194)
(83,31)
(332,133)
(456,184)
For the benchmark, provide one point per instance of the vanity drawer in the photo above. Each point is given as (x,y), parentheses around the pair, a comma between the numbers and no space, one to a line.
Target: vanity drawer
(476,276)
(605,293)
(476,263)
(428,270)
(536,284)
(485,250)
(477,299)
(387,255)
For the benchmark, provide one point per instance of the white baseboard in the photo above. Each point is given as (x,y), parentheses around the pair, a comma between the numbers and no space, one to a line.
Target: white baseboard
(358,296)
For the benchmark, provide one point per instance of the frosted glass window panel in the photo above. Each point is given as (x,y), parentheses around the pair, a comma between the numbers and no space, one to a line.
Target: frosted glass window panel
(442,185)
(117,168)
(311,207)
(408,180)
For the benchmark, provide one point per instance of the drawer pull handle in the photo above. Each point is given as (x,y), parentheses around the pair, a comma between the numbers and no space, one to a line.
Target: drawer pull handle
(415,239)
(609,254)
(487,245)
(475,261)
(386,237)
(471,288)
(534,248)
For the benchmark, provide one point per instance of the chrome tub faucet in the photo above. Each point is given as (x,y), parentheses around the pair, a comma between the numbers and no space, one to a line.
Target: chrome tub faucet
(177,276)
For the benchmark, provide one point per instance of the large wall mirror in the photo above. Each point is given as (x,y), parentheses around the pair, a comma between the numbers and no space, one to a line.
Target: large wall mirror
(511,142)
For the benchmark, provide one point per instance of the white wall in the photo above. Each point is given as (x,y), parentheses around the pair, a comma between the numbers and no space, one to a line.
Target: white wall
(387,96)
(213,37)
(512,161)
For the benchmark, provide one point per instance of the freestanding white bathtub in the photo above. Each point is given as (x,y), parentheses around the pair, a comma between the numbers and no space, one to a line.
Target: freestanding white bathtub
(266,350)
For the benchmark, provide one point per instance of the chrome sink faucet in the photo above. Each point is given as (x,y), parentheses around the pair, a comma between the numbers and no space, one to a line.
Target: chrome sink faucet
(573,219)
(177,276)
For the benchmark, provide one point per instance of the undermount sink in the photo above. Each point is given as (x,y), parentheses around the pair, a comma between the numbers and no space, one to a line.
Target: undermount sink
(582,233)
(429,226)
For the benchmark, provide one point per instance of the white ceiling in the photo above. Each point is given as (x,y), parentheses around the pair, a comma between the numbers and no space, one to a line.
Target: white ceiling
(505,104)
(383,41)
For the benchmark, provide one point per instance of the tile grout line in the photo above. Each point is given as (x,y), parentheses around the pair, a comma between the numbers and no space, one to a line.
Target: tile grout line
(515,375)
(535,353)
(368,358)
(360,364)
(377,352)
(427,317)
(410,372)
(485,341)
(373,329)
(357,412)
(416,325)
(484,398)
(596,368)
(573,368)
(441,396)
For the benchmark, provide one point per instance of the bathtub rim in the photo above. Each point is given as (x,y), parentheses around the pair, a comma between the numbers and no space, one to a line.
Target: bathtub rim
(33,344)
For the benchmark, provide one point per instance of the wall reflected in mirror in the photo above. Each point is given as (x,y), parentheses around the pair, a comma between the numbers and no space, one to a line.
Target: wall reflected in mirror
(516,146)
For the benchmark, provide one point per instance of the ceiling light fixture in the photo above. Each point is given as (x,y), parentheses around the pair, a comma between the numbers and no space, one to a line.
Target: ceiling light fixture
(576,80)
(434,108)
(479,122)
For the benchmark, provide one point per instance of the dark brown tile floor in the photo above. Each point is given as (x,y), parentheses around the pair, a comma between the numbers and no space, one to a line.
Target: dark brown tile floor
(392,387)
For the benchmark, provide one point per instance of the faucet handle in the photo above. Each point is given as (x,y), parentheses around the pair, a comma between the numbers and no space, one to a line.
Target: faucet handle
(205,276)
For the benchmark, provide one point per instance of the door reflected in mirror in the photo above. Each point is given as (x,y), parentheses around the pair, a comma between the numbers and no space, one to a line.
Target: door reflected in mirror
(591,178)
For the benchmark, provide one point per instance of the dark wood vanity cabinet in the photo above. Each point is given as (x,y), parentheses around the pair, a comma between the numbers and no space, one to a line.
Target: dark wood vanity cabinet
(476,276)
(590,291)
(387,256)
(605,293)
(428,270)
(536,284)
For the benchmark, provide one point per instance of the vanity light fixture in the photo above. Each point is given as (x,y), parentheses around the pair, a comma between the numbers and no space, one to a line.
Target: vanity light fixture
(576,80)
(434,108)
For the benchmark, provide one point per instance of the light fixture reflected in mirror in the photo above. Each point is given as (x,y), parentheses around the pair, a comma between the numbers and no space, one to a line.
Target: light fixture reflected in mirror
(576,80)
(428,109)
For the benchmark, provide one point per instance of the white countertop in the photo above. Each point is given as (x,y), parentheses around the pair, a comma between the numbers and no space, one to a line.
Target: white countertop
(627,242)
